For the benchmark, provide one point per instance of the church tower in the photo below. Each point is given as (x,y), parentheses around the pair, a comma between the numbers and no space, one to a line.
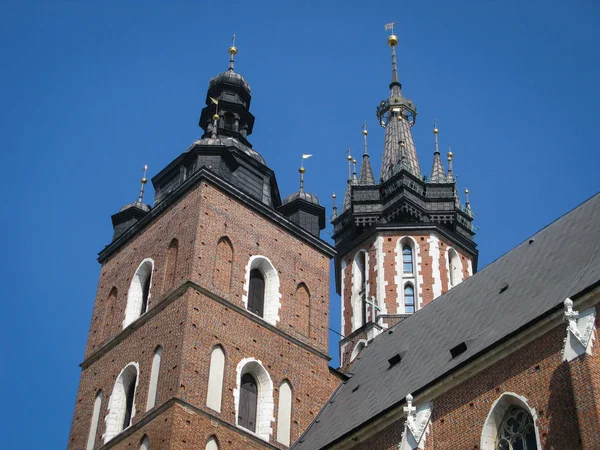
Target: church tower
(403,242)
(210,324)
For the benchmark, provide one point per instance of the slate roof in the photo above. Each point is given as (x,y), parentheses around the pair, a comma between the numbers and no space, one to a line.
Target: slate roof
(366,172)
(398,130)
(560,261)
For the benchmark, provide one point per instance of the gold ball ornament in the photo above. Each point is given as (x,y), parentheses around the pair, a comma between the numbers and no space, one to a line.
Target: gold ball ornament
(334,196)
(467,191)
(365,132)
(349,158)
(233,50)
(144,180)
(301,170)
(215,117)
(450,155)
(392,40)
(435,131)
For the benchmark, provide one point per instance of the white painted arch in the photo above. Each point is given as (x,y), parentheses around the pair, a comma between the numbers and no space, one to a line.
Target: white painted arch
(135,293)
(265,403)
(454,267)
(496,414)
(401,278)
(360,345)
(117,403)
(272,303)
(216,371)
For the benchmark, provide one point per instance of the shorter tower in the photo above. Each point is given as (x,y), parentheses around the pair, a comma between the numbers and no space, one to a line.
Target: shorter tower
(403,242)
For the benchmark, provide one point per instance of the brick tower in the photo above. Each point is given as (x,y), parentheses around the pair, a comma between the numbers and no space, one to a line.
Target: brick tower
(210,324)
(400,243)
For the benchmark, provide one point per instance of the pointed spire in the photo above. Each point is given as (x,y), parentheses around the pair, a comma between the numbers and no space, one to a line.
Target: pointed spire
(354,177)
(347,199)
(392,42)
(467,203)
(301,170)
(366,173)
(334,213)
(144,180)
(450,173)
(437,170)
(232,52)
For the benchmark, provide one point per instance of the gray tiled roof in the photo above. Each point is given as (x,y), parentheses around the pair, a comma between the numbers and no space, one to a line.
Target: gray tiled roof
(559,261)
(438,175)
(366,173)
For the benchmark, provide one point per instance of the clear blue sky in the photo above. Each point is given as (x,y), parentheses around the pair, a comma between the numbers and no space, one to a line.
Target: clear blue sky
(91,91)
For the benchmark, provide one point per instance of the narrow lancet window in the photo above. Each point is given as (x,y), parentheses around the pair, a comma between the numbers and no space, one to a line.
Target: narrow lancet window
(129,396)
(214,393)
(284,414)
(256,292)
(409,299)
(145,445)
(212,444)
(407,259)
(248,402)
(94,424)
(171,265)
(154,379)
(139,292)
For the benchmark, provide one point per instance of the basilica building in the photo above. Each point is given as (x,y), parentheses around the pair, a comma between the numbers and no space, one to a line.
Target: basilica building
(210,324)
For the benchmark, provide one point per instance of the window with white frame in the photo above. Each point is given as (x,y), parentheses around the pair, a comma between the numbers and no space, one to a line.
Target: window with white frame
(121,406)
(262,295)
(139,292)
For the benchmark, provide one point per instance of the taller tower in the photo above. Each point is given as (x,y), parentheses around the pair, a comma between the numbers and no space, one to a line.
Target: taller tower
(403,242)
(210,325)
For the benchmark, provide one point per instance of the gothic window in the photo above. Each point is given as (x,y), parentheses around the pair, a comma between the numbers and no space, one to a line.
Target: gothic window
(94,425)
(301,306)
(171,265)
(407,259)
(145,444)
(516,431)
(284,413)
(359,289)
(139,292)
(262,295)
(215,379)
(409,298)
(256,292)
(357,349)
(454,268)
(212,444)
(154,379)
(121,406)
(253,396)
(248,402)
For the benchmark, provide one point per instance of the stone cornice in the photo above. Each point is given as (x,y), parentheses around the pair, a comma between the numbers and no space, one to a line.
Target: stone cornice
(169,298)
(205,174)
(155,413)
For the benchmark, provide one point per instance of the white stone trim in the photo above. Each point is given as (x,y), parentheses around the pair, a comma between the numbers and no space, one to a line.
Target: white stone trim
(380,278)
(135,293)
(434,252)
(212,443)
(265,404)
(95,419)
(356,299)
(459,269)
(580,332)
(216,372)
(416,426)
(401,278)
(343,302)
(494,418)
(116,403)
(357,348)
(154,373)
(470,266)
(284,413)
(272,303)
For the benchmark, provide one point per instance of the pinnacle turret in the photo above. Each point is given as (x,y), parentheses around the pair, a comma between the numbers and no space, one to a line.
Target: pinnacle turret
(366,173)
(438,174)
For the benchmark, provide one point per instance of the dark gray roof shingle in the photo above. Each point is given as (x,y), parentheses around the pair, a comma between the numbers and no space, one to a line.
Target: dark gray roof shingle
(559,261)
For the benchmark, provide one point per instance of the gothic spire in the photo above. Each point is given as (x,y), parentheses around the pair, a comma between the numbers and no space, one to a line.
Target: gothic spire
(437,170)
(397,115)
(334,212)
(450,172)
(468,203)
(347,198)
(366,173)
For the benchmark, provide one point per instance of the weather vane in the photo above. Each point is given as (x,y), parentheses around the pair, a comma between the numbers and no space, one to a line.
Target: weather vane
(390,26)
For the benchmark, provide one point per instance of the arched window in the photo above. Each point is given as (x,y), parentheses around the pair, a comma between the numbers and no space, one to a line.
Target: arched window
(145,444)
(171,265)
(409,298)
(301,307)
(121,406)
(454,268)
(357,349)
(214,392)
(154,379)
(253,398)
(110,305)
(248,402)
(94,425)
(359,290)
(284,413)
(212,444)
(407,259)
(510,425)
(223,265)
(256,292)
(262,289)
(139,292)
(516,431)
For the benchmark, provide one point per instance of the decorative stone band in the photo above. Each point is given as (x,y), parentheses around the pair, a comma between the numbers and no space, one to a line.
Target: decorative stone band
(416,425)
(580,332)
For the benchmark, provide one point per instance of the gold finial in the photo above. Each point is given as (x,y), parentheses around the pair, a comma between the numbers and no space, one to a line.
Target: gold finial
(435,130)
(364,127)
(450,155)
(333,196)
(232,52)
(349,158)
(354,161)
(301,170)
(144,180)
(467,191)
(392,38)
(215,116)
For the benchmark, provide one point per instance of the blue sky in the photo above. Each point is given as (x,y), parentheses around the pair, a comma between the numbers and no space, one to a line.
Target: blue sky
(92,91)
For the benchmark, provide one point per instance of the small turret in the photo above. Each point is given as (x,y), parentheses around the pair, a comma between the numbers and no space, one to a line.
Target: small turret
(131,213)
(437,170)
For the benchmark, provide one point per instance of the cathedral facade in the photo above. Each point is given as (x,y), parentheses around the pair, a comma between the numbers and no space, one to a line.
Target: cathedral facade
(210,324)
